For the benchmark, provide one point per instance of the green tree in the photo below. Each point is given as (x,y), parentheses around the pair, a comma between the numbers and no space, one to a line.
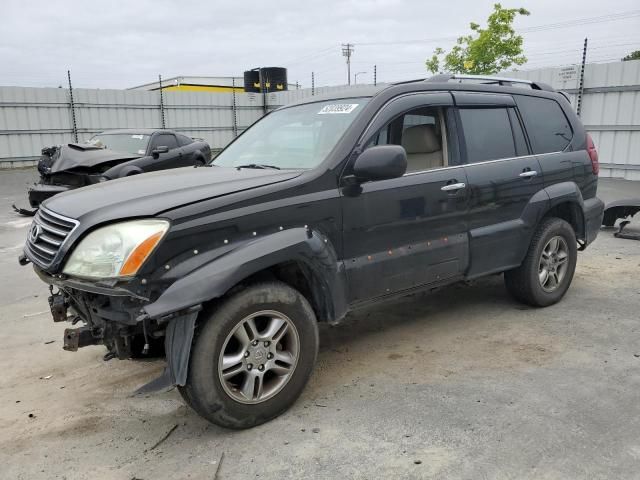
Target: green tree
(632,56)
(486,50)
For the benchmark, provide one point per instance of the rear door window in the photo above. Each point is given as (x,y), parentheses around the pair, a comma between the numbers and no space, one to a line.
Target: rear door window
(487,134)
(545,122)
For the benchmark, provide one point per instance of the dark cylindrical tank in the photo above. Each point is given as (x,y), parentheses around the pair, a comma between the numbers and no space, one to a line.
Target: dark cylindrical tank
(252,81)
(274,79)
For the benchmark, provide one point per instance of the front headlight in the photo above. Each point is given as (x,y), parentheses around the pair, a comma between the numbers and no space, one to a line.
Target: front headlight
(117,250)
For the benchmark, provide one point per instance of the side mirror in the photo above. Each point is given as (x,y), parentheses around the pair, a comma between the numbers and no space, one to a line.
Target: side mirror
(380,163)
(158,150)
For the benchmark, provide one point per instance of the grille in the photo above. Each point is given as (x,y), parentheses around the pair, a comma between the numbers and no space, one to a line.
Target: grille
(46,235)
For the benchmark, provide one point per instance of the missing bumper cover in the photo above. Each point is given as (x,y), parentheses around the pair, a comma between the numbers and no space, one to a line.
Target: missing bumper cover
(75,338)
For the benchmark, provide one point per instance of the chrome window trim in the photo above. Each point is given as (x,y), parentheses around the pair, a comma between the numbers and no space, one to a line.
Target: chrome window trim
(389,102)
(479,163)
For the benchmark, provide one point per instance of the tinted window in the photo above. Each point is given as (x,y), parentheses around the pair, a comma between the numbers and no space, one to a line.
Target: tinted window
(165,140)
(487,134)
(184,140)
(545,122)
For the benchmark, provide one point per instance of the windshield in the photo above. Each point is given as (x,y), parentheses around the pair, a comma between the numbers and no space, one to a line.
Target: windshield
(122,142)
(296,137)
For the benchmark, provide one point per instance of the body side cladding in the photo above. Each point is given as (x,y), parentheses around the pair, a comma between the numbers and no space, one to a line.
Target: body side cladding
(561,199)
(310,249)
(484,240)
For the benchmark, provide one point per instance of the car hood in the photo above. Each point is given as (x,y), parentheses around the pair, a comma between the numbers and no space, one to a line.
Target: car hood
(149,194)
(76,155)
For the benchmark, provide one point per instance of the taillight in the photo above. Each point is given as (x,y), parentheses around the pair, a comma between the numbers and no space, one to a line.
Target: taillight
(593,155)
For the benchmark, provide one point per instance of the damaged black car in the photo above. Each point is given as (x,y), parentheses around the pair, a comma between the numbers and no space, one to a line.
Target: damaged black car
(113,154)
(317,210)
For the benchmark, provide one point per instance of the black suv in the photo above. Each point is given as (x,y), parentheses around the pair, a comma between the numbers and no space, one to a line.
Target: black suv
(320,208)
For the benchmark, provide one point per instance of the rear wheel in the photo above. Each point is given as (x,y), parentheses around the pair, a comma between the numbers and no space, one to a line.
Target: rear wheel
(548,268)
(252,357)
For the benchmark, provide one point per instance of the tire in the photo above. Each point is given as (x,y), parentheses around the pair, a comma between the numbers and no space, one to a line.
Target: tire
(528,283)
(224,333)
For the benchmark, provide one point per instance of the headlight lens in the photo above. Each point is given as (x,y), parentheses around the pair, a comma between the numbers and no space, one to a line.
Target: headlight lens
(117,250)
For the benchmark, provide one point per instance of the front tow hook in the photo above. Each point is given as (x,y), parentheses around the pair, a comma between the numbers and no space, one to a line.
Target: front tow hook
(23,260)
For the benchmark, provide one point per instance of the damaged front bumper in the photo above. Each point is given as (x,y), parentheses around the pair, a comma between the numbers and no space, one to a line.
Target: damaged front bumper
(114,315)
(50,185)
(40,192)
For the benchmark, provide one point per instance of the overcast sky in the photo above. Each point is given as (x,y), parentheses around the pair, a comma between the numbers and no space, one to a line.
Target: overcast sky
(119,44)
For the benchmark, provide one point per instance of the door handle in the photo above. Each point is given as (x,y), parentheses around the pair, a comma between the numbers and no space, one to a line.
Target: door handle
(528,174)
(453,186)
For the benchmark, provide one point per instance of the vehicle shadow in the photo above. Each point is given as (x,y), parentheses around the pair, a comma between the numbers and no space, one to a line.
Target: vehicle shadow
(449,306)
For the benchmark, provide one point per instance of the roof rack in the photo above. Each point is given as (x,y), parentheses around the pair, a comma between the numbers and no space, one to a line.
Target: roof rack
(488,80)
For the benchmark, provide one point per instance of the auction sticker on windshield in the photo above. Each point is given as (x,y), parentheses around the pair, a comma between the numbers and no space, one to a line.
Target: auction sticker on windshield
(338,108)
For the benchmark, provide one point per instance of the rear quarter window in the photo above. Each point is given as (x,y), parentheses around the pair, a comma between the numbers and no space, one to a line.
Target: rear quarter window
(548,127)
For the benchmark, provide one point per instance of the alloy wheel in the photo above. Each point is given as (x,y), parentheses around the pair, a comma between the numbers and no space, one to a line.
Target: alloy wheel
(259,357)
(553,264)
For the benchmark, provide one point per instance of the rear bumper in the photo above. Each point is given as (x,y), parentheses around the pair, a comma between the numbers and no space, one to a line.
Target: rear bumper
(40,192)
(593,212)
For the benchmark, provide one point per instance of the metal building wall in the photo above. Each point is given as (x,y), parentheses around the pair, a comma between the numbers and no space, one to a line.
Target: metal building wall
(31,118)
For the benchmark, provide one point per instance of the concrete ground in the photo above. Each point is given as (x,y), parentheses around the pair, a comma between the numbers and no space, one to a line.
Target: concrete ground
(464,383)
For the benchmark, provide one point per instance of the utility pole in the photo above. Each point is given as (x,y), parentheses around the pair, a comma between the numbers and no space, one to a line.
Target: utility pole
(375,75)
(581,86)
(347,51)
(313,83)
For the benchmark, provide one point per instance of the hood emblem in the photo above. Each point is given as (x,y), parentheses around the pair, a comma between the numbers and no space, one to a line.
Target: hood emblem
(34,232)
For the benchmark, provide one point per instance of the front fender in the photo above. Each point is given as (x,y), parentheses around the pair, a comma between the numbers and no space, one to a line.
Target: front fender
(309,248)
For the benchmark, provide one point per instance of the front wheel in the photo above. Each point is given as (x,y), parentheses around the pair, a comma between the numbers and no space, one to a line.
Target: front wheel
(252,356)
(548,268)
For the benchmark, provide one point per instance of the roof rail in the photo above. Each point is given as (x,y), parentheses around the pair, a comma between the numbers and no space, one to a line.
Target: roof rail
(488,80)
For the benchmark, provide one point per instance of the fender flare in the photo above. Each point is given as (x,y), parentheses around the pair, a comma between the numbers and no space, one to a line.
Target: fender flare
(542,203)
(568,192)
(310,249)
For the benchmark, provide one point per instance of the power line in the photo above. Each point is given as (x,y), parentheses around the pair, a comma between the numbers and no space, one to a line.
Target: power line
(309,56)
(537,28)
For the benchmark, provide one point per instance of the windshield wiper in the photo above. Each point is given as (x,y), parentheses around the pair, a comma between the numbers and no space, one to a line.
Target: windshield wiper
(258,165)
